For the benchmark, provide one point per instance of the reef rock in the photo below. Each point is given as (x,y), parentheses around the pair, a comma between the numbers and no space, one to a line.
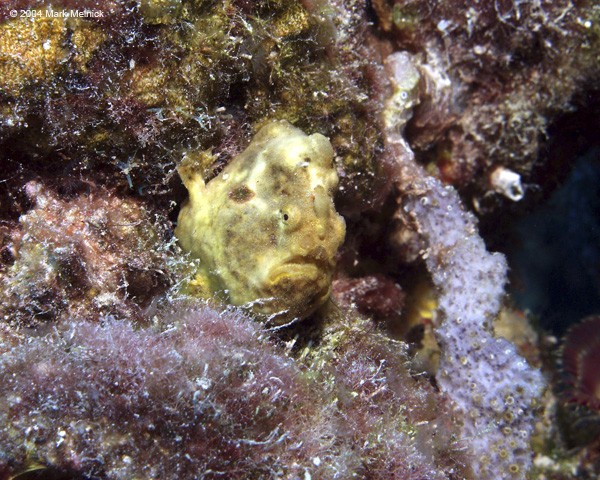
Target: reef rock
(91,255)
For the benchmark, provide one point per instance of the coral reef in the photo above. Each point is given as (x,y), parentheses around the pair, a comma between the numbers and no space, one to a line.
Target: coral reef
(207,395)
(130,88)
(93,255)
(266,230)
(493,77)
(103,358)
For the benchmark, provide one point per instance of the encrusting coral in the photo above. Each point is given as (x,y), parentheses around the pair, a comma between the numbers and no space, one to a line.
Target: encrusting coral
(30,50)
(204,394)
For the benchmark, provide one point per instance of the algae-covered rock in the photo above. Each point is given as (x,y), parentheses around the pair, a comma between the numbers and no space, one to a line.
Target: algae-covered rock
(160,11)
(92,255)
(266,229)
(30,50)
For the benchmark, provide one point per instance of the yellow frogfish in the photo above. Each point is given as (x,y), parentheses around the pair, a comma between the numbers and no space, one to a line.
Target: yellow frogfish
(265,229)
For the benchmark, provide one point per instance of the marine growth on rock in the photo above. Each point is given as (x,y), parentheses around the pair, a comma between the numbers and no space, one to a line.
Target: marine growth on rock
(205,394)
(248,153)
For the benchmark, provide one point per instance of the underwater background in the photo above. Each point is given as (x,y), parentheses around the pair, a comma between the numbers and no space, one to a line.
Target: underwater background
(299,239)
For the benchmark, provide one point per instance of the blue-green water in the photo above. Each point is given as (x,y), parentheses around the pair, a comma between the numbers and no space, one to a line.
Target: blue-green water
(557,262)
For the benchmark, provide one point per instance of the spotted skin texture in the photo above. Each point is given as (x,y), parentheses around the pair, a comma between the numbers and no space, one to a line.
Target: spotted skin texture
(266,229)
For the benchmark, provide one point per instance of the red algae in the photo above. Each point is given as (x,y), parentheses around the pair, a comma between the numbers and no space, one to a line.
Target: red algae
(205,394)
(86,256)
(373,295)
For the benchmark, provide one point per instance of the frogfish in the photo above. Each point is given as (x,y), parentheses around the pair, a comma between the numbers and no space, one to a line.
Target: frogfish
(265,230)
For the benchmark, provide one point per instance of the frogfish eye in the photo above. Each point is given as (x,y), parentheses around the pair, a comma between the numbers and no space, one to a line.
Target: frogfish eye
(290,217)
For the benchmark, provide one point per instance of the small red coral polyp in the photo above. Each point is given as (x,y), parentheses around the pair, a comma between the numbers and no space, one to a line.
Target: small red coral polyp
(581,362)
